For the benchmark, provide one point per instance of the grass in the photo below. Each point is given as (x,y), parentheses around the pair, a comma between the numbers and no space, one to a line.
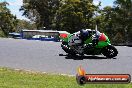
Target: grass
(10,78)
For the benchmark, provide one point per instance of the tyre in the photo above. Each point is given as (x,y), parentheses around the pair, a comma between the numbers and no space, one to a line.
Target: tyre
(110,51)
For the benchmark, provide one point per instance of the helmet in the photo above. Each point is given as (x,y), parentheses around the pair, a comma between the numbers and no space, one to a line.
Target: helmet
(84,34)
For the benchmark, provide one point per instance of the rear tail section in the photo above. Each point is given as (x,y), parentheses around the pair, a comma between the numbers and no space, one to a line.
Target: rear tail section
(64,37)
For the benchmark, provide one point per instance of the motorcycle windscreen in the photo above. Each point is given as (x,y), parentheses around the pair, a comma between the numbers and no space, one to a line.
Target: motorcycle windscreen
(102,37)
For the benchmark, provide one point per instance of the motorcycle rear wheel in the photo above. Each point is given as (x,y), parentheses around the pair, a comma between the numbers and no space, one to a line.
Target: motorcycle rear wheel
(65,47)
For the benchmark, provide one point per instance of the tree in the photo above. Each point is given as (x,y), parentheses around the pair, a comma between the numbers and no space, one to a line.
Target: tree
(23,24)
(7,20)
(41,11)
(71,15)
(117,20)
(75,15)
(124,18)
(107,21)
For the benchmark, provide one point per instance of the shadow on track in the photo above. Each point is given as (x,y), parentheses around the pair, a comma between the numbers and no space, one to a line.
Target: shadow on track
(77,57)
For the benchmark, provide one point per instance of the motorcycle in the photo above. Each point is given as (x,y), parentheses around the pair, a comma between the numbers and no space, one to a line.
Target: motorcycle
(103,45)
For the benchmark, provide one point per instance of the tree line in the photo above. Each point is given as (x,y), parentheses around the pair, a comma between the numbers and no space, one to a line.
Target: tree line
(10,23)
(72,15)
(7,20)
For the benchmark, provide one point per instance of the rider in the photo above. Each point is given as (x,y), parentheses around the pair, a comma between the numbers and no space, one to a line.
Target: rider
(85,34)
(79,37)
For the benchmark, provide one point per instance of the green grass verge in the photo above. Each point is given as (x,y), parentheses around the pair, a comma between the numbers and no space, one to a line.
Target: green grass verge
(10,78)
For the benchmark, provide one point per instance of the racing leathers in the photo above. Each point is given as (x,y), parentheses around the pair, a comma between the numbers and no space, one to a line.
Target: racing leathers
(78,38)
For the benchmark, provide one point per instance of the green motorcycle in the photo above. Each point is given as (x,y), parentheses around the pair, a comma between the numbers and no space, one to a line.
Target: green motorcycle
(103,45)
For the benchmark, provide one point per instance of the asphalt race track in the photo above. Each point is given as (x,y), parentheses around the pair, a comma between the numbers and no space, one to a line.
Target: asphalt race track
(48,57)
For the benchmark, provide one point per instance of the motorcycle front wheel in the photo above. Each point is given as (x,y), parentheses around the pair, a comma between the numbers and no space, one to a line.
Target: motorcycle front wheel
(110,51)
